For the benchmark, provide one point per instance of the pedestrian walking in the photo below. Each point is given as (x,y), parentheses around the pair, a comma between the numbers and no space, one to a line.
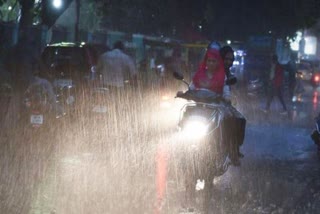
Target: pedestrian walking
(276,76)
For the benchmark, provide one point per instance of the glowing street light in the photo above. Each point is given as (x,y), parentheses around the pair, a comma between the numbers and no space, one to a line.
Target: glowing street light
(57,4)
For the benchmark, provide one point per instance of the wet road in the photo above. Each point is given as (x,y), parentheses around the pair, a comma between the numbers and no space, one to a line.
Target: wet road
(108,165)
(280,171)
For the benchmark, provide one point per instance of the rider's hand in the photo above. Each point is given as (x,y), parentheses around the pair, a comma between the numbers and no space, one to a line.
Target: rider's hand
(227,101)
(179,93)
(231,80)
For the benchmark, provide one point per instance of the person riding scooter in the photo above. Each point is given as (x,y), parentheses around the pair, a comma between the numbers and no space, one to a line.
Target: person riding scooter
(211,75)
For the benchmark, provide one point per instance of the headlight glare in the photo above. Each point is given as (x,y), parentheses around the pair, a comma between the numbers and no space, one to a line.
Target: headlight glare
(195,129)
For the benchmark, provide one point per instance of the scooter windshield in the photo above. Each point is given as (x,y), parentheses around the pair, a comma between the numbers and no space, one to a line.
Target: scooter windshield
(201,95)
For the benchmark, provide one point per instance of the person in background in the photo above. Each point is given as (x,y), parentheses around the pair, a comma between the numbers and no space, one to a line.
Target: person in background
(237,124)
(276,76)
(227,54)
(152,62)
(292,70)
(117,68)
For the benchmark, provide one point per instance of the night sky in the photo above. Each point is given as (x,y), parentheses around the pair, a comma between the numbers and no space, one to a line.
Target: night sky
(214,19)
(238,19)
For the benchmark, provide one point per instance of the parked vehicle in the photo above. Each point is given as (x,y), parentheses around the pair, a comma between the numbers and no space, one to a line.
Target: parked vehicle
(98,100)
(298,89)
(309,70)
(202,153)
(40,110)
(254,88)
(315,136)
(315,79)
(72,63)
(305,70)
(72,69)
(66,96)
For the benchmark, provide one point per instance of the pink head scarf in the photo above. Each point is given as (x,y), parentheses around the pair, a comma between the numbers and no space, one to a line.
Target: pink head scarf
(216,82)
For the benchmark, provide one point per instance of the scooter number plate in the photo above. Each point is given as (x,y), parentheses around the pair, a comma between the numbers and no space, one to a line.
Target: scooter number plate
(36,119)
(63,82)
(99,109)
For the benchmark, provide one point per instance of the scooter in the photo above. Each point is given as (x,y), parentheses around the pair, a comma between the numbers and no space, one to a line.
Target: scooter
(202,154)
(254,88)
(65,92)
(99,100)
(298,89)
(315,135)
(39,109)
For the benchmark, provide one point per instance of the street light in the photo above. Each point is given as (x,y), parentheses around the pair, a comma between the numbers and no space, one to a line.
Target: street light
(57,4)
(52,10)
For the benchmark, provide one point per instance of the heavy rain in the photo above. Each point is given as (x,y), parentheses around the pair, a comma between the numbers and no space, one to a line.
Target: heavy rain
(94,148)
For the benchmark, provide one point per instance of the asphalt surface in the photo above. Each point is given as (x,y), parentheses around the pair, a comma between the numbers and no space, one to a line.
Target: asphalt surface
(75,167)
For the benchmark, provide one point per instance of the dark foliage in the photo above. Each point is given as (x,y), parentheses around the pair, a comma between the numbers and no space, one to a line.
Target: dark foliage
(219,19)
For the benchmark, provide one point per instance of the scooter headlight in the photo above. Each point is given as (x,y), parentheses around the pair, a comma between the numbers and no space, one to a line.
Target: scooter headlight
(165,101)
(195,127)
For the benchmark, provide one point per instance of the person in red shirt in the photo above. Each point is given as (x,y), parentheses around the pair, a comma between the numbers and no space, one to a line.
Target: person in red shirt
(276,80)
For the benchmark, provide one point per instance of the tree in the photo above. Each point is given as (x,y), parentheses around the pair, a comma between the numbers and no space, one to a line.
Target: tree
(91,16)
(9,10)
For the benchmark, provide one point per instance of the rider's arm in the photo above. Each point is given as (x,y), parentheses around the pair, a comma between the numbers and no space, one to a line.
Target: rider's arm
(192,86)
(226,93)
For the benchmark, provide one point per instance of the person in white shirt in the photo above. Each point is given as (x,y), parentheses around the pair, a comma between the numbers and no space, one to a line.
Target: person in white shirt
(117,68)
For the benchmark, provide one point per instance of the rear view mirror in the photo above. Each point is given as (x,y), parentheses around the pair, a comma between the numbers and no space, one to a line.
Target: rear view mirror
(178,75)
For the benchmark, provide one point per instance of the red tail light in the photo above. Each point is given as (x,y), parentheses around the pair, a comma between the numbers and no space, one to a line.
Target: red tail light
(315,97)
(316,78)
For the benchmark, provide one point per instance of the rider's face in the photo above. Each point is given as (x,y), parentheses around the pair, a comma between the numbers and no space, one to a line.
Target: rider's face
(212,64)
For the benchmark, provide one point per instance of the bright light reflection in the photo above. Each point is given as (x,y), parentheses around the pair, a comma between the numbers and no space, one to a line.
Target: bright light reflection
(57,3)
(311,45)
(315,97)
(195,129)
(165,104)
(294,44)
